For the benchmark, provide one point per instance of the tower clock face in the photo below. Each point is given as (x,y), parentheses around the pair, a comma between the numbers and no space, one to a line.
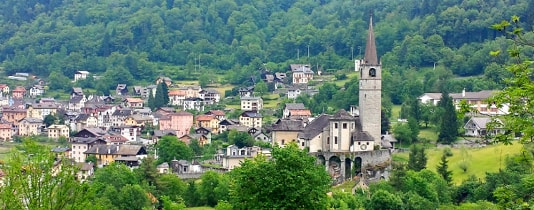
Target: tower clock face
(363,146)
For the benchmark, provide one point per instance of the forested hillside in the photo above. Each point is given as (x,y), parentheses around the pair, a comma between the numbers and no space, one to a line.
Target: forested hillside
(129,40)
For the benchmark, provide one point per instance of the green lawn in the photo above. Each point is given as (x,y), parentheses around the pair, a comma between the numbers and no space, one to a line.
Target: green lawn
(479,160)
(395,112)
(428,133)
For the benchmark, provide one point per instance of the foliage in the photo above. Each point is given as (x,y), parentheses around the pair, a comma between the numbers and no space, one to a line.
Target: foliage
(417,159)
(385,200)
(49,120)
(519,87)
(171,148)
(32,174)
(240,139)
(290,180)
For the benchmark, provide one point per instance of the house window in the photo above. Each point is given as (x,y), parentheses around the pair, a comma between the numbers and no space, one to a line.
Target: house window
(283,142)
(344,125)
(302,143)
(335,139)
(335,125)
(328,140)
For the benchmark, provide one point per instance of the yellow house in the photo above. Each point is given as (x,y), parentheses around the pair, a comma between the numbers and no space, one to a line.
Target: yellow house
(40,111)
(126,153)
(5,131)
(55,131)
(30,126)
(208,121)
(285,131)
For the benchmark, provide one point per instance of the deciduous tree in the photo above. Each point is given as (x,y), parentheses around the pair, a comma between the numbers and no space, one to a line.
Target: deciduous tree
(290,180)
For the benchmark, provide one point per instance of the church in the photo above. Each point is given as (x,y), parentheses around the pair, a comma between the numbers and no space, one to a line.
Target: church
(350,144)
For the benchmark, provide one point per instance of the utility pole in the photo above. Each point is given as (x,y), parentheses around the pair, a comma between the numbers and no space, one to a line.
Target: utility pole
(308,52)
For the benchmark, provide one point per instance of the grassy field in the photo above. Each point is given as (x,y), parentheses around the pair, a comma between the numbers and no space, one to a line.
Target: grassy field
(479,160)
(428,133)
(395,112)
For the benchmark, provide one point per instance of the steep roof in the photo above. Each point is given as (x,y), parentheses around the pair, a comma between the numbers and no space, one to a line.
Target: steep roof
(315,127)
(292,106)
(252,114)
(342,115)
(361,136)
(205,117)
(370,57)
(288,125)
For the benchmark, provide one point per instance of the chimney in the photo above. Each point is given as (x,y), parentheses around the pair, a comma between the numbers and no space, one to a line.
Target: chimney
(117,148)
(109,150)
(463,92)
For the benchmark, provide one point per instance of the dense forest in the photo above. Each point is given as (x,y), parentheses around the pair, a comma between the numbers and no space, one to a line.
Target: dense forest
(127,41)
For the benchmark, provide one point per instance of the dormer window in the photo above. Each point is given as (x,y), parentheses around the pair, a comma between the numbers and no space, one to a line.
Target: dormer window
(372,72)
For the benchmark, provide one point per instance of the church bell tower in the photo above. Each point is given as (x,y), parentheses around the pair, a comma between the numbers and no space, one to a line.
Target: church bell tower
(371,88)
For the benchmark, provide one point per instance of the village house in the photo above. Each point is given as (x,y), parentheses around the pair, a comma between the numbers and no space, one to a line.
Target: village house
(219,114)
(293,92)
(163,168)
(132,133)
(286,113)
(114,139)
(194,104)
(246,91)
(76,91)
(234,156)
(30,126)
(76,103)
(85,170)
(167,80)
(138,120)
(41,110)
(126,153)
(225,124)
(302,73)
(181,122)
(56,131)
(191,91)
(80,75)
(37,90)
(476,100)
(284,131)
(177,97)
(251,103)
(150,89)
(478,127)
(158,134)
(203,135)
(19,92)
(252,119)
(104,116)
(134,102)
(138,90)
(119,115)
(208,121)
(83,121)
(85,139)
(6,132)
(13,114)
(4,88)
(121,90)
(210,96)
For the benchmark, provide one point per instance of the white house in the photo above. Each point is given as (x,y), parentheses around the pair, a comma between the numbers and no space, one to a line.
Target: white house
(37,90)
(251,103)
(478,127)
(80,75)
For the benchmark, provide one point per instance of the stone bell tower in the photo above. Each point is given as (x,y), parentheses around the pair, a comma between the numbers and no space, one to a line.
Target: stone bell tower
(371,88)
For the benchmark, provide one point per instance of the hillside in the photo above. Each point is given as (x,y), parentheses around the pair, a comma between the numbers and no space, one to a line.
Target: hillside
(133,40)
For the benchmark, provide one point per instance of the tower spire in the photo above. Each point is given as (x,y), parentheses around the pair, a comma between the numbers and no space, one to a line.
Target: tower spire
(370,57)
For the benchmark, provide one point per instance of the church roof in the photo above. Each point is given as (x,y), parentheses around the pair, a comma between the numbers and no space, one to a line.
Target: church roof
(370,57)
(342,115)
(362,136)
(315,127)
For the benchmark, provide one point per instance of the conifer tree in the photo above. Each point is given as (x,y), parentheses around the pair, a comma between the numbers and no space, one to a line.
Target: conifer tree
(449,122)
(443,169)
(165,92)
(417,159)
(151,101)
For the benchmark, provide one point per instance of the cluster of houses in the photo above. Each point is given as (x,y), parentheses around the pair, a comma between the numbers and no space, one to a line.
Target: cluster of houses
(482,110)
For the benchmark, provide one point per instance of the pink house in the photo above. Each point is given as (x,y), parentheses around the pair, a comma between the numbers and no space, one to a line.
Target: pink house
(19,92)
(181,122)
